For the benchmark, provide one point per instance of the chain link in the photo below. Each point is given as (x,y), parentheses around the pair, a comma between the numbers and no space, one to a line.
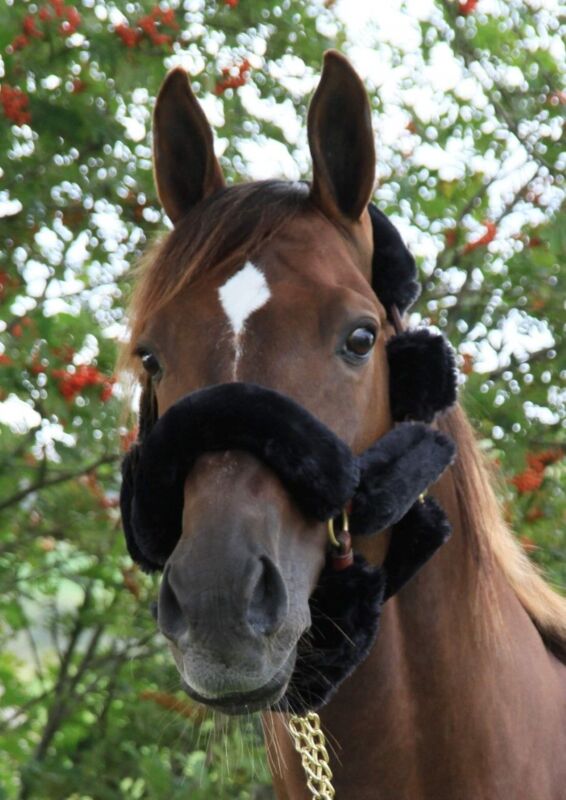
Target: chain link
(310,743)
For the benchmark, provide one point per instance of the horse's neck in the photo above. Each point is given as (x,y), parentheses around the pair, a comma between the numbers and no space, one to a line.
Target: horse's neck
(458,698)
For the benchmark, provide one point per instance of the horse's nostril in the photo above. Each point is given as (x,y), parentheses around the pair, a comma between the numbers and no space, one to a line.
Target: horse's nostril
(268,604)
(169,612)
(256,606)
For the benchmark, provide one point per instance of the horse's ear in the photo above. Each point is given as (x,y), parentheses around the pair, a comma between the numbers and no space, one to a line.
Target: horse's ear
(186,169)
(341,141)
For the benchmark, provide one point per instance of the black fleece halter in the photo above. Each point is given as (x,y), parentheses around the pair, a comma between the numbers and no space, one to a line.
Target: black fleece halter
(382,486)
(317,468)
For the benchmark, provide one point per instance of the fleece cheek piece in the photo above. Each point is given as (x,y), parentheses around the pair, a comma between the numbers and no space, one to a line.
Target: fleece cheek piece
(394,472)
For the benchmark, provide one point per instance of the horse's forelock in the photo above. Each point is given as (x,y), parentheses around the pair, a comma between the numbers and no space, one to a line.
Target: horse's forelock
(224,229)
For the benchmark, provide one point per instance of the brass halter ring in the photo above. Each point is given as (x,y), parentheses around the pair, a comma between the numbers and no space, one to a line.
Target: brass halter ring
(345,527)
(346,524)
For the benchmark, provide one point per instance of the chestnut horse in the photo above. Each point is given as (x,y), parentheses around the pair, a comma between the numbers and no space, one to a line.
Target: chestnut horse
(463,696)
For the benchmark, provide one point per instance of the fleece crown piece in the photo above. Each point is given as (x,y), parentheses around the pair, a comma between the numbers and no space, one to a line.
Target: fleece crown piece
(394,273)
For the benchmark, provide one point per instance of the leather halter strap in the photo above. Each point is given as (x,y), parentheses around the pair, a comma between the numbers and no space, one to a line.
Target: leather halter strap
(396,319)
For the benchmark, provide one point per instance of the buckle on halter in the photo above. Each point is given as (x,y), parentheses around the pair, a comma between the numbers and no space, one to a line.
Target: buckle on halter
(342,555)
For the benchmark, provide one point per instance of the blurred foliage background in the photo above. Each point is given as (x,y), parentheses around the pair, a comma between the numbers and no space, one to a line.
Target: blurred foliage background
(468,111)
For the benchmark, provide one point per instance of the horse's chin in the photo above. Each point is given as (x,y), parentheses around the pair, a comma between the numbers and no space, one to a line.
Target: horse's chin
(260,699)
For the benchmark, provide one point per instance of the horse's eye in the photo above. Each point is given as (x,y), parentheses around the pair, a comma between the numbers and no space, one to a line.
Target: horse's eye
(359,343)
(150,364)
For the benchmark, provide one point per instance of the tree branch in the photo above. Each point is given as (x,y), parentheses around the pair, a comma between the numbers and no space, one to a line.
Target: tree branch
(58,708)
(45,482)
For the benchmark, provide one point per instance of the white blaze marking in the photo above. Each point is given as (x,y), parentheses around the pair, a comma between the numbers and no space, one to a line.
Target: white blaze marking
(241,295)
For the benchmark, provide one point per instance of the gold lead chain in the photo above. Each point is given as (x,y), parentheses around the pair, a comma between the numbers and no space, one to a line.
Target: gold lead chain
(310,743)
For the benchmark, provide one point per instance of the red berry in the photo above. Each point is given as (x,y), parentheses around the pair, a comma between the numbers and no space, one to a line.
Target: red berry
(467,7)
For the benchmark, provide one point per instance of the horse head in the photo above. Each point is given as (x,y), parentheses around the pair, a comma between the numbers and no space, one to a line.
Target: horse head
(266,283)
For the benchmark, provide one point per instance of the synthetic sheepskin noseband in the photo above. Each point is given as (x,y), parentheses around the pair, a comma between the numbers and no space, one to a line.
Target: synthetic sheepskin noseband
(317,468)
(382,487)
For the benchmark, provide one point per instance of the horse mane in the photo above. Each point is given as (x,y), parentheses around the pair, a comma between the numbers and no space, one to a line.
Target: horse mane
(491,540)
(223,230)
